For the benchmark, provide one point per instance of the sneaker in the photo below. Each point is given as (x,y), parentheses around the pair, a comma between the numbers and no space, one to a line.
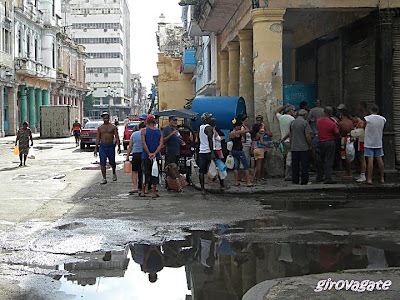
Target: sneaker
(103,181)
(361,179)
(114,177)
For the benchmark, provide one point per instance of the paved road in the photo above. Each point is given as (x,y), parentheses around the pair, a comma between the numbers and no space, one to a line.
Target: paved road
(55,208)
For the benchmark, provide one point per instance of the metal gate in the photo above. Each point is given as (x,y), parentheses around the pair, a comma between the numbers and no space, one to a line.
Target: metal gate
(359,65)
(396,86)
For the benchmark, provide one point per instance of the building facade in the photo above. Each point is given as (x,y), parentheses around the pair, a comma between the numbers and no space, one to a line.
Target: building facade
(174,85)
(102,26)
(347,49)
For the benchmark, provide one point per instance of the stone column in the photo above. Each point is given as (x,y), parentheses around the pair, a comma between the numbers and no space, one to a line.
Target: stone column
(24,104)
(233,86)
(267,50)
(246,80)
(46,97)
(224,72)
(39,103)
(32,116)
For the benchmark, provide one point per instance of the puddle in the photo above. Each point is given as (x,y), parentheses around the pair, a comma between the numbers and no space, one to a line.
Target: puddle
(213,265)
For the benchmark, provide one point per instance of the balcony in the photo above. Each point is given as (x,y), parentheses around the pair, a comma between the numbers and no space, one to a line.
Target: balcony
(26,66)
(189,61)
(62,78)
(6,60)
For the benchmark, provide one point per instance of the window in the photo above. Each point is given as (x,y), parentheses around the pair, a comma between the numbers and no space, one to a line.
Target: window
(98,41)
(36,50)
(54,56)
(19,43)
(28,46)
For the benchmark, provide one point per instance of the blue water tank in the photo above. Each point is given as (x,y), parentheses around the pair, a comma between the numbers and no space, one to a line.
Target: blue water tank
(295,93)
(223,109)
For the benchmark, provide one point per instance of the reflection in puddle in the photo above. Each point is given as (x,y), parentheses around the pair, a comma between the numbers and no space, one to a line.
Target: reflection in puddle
(212,265)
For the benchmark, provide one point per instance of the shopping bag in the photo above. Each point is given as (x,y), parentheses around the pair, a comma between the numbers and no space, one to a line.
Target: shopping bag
(31,153)
(154,169)
(127,167)
(230,162)
(350,150)
(289,159)
(16,150)
(212,170)
(220,165)
(229,146)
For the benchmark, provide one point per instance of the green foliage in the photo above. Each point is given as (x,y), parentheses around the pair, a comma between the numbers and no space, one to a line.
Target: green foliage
(88,103)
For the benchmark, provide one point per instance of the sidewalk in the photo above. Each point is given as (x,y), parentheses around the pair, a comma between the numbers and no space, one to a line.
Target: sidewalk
(305,287)
(279,185)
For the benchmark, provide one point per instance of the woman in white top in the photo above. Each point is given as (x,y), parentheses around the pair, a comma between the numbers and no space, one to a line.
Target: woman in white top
(217,140)
(246,141)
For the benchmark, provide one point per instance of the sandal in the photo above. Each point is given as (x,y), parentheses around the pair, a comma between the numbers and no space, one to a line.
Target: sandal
(142,195)
(250,185)
(155,196)
(133,192)
(237,184)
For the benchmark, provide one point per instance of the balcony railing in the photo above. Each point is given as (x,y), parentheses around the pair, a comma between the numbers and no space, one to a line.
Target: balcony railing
(6,60)
(29,67)
(190,2)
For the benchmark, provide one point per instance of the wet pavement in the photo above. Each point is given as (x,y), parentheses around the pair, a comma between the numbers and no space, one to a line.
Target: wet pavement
(65,236)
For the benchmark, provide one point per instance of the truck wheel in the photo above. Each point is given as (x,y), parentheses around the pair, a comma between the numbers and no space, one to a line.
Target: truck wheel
(125,146)
(82,145)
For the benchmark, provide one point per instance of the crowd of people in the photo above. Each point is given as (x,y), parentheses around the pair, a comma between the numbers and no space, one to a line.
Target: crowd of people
(316,139)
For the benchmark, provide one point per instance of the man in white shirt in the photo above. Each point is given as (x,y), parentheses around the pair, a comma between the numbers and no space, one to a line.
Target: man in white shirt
(284,125)
(373,146)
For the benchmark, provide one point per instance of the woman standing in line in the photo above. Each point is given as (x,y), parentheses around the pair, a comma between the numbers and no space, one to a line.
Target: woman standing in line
(23,136)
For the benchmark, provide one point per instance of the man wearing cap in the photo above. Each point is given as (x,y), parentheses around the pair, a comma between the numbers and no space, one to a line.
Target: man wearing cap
(328,132)
(152,142)
(300,138)
(284,125)
(106,135)
(173,141)
(142,123)
(76,130)
(314,114)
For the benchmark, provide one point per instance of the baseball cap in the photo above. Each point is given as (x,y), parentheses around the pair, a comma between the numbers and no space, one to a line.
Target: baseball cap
(206,116)
(143,117)
(173,118)
(104,114)
(302,112)
(341,106)
(150,119)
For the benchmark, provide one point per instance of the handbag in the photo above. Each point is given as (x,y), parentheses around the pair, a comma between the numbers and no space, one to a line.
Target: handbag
(230,162)
(154,169)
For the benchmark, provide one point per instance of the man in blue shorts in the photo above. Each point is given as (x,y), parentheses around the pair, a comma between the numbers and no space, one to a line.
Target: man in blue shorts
(107,137)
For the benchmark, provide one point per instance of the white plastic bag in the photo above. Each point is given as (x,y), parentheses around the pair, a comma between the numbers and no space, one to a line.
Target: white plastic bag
(212,170)
(154,169)
(222,174)
(350,150)
(229,145)
(289,159)
(31,153)
(230,162)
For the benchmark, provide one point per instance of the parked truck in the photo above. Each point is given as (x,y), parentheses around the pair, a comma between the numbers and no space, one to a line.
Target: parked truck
(56,121)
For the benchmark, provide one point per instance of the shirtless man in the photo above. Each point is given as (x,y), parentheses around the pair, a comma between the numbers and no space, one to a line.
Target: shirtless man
(107,136)
(346,125)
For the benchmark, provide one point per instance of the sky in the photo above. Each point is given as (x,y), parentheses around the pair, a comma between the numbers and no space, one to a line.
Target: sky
(144,18)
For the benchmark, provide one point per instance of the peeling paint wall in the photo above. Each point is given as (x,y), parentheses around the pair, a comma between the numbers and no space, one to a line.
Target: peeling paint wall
(173,87)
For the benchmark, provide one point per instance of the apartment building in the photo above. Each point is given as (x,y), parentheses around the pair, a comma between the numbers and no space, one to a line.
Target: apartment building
(103,27)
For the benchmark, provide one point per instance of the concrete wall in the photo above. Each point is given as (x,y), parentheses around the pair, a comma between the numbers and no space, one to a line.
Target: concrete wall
(173,87)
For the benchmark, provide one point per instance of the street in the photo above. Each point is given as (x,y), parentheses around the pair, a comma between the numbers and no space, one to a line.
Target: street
(65,236)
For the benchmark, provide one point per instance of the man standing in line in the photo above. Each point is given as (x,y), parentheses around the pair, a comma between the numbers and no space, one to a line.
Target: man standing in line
(346,125)
(173,141)
(312,118)
(135,148)
(152,142)
(107,136)
(206,152)
(76,131)
(284,124)
(373,146)
(300,139)
(328,132)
